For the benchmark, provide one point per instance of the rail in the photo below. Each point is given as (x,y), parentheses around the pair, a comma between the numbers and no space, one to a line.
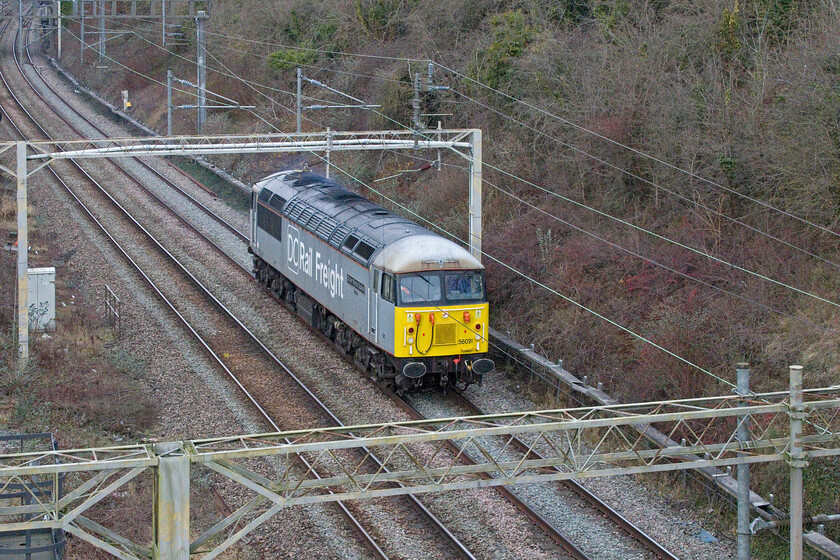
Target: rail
(560,435)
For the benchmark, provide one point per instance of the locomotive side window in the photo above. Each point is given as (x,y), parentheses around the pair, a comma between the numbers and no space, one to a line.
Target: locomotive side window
(364,250)
(263,217)
(388,291)
(278,202)
(269,221)
(467,285)
(350,242)
(420,288)
(375,281)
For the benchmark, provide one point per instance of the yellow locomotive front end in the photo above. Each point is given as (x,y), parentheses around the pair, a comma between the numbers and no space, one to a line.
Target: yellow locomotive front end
(441,331)
(440,325)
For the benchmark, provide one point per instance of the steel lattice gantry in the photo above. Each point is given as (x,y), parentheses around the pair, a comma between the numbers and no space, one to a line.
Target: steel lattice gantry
(37,154)
(573,443)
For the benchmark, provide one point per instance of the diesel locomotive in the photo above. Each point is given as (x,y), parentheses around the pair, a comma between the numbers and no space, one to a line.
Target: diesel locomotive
(408,305)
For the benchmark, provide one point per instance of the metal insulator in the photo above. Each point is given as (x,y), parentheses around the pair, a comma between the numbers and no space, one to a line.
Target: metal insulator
(560,363)
(600,386)
(728,470)
(770,498)
(532,347)
(683,442)
(821,529)
(586,380)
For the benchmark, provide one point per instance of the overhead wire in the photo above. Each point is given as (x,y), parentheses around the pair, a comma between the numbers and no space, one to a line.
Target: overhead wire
(518,272)
(666,239)
(636,151)
(511,268)
(657,263)
(659,236)
(233,75)
(321,51)
(136,72)
(543,111)
(674,193)
(631,252)
(648,182)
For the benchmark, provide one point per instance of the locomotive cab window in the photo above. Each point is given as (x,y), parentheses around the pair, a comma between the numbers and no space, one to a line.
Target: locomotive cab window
(388,285)
(464,286)
(420,288)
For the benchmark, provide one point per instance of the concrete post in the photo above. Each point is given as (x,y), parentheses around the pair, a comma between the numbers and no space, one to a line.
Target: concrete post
(201,61)
(169,102)
(797,462)
(415,103)
(81,31)
(101,32)
(327,154)
(20,28)
(475,195)
(22,256)
(58,27)
(743,435)
(298,103)
(172,503)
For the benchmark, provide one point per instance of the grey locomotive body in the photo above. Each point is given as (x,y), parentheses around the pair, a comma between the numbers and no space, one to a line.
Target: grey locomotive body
(365,278)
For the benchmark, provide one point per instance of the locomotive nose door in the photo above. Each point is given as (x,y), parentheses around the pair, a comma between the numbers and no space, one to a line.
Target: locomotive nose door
(253,217)
(373,304)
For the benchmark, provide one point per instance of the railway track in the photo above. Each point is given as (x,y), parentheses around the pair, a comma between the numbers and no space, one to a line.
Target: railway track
(576,493)
(544,525)
(236,335)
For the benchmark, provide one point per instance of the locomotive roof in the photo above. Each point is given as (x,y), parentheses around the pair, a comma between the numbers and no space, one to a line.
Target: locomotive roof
(325,208)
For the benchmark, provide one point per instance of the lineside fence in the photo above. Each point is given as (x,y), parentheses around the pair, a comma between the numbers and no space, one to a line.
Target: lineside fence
(574,443)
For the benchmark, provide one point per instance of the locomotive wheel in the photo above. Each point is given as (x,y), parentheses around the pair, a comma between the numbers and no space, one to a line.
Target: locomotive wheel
(277,288)
(362,357)
(328,326)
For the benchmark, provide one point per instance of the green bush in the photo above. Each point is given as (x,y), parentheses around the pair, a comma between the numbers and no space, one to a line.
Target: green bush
(380,19)
(290,58)
(511,36)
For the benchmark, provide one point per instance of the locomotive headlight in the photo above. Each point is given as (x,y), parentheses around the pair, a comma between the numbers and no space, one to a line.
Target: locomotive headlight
(411,340)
